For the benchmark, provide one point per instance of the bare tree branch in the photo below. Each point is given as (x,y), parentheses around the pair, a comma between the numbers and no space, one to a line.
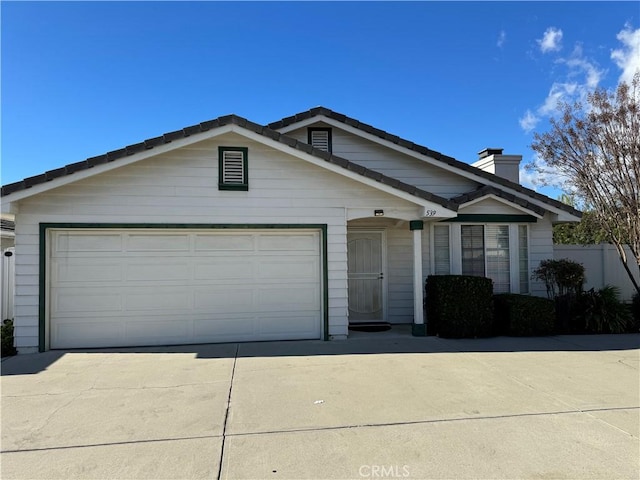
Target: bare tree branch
(596,147)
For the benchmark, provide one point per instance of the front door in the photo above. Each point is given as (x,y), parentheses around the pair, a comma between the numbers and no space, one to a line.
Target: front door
(366,276)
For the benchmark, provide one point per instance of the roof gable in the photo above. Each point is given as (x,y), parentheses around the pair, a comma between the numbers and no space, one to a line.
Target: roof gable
(265,134)
(432,155)
(490,192)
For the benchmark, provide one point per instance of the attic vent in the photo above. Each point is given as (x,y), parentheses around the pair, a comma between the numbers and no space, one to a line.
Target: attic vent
(320,138)
(233,168)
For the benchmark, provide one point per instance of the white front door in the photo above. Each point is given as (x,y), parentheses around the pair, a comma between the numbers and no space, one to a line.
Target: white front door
(365,252)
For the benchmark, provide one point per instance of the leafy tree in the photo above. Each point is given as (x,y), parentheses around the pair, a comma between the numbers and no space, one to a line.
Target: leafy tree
(596,148)
(587,232)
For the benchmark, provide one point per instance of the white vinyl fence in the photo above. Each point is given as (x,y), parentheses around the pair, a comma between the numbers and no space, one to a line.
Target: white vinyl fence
(602,266)
(7,275)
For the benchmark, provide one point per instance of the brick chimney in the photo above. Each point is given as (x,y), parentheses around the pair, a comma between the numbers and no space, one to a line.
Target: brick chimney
(493,161)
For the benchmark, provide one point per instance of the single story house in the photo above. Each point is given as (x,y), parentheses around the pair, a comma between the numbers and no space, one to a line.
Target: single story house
(233,231)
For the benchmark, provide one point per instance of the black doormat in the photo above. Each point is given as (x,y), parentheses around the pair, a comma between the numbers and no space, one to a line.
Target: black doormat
(370,327)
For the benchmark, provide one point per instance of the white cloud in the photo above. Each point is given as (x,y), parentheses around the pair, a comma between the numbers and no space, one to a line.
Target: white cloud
(559,92)
(551,41)
(627,57)
(502,38)
(582,75)
(529,121)
(578,64)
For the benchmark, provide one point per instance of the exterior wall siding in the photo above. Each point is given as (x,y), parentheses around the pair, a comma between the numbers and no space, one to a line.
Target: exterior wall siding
(181,187)
(397,165)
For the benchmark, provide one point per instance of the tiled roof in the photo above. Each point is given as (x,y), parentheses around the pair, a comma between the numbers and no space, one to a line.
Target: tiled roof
(219,122)
(489,190)
(439,157)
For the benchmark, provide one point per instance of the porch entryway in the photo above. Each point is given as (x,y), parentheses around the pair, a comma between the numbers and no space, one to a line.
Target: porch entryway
(366,276)
(384,274)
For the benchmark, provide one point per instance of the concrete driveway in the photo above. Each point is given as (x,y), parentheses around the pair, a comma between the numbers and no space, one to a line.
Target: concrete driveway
(375,406)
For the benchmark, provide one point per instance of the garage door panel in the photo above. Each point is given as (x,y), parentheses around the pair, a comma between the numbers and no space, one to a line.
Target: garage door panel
(82,243)
(224,243)
(172,287)
(293,268)
(86,302)
(224,269)
(288,243)
(157,331)
(70,334)
(157,299)
(285,298)
(282,326)
(224,300)
(158,269)
(157,243)
(222,328)
(75,270)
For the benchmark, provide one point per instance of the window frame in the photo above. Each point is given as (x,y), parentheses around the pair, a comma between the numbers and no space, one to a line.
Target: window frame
(222,185)
(310,131)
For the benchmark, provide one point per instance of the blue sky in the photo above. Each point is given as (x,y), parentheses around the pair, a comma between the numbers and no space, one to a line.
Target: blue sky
(82,78)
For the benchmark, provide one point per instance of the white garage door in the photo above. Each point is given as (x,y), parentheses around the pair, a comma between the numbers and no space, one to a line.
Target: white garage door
(161,287)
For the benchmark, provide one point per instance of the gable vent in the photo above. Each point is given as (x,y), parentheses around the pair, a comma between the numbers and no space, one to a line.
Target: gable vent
(233,166)
(320,138)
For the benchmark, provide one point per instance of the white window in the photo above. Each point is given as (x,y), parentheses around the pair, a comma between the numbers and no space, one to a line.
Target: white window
(472,240)
(232,164)
(498,265)
(320,138)
(485,253)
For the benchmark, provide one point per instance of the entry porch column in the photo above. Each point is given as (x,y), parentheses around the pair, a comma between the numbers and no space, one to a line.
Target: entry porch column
(418,329)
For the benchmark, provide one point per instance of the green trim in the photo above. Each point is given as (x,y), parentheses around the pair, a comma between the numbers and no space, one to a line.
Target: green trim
(44,227)
(419,329)
(416,225)
(42,290)
(492,218)
(241,187)
(325,281)
(244,186)
(321,129)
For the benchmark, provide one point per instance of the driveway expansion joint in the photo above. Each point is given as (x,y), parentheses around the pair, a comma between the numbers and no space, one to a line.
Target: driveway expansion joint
(226,413)
(586,411)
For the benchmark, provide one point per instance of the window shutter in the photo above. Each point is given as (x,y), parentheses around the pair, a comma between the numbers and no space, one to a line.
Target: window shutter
(523,257)
(320,139)
(442,263)
(233,167)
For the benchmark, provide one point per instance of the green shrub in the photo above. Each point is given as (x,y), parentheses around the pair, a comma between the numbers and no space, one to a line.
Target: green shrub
(6,338)
(523,315)
(601,311)
(459,306)
(561,277)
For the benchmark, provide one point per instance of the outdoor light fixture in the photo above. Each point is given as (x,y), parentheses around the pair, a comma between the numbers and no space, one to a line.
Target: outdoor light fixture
(378,213)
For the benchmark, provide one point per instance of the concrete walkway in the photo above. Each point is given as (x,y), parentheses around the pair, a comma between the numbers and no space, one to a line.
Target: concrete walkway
(374,406)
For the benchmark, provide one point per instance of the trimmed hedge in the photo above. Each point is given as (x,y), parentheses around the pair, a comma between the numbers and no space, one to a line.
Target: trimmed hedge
(459,306)
(6,338)
(523,315)
(634,326)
